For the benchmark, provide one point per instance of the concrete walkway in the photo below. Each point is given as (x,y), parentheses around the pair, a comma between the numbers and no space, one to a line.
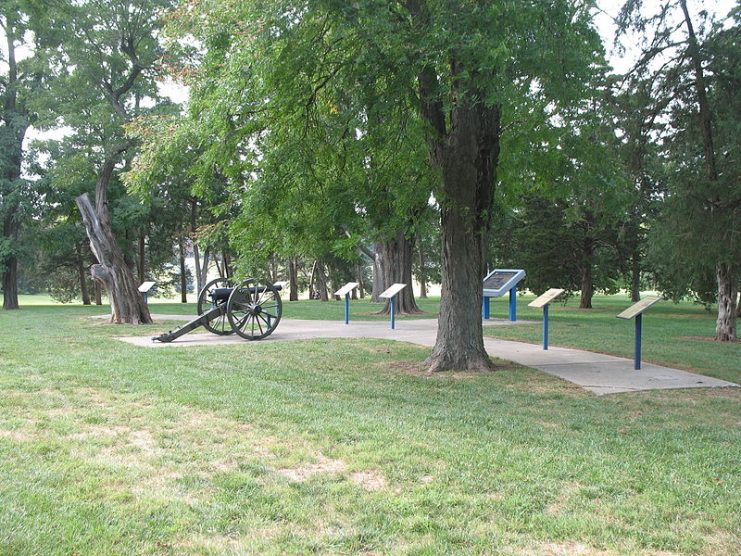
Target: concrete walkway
(598,373)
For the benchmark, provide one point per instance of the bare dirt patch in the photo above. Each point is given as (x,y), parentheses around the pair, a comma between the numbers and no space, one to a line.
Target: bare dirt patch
(558,503)
(16,435)
(323,465)
(567,549)
(369,480)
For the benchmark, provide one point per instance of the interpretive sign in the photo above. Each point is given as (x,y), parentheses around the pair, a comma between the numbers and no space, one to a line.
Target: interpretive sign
(546,298)
(144,290)
(635,311)
(347,288)
(146,286)
(390,294)
(543,301)
(638,308)
(501,280)
(392,291)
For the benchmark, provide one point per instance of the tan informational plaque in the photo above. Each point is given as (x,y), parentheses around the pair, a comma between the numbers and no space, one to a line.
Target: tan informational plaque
(392,291)
(638,308)
(146,286)
(347,288)
(546,298)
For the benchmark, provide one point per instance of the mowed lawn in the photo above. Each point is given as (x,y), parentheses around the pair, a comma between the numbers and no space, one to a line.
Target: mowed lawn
(346,446)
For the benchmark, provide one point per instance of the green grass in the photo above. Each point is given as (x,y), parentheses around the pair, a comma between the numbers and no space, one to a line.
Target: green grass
(342,447)
(675,335)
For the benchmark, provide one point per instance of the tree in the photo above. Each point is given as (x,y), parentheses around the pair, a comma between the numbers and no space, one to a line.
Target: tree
(105,55)
(464,67)
(16,88)
(697,77)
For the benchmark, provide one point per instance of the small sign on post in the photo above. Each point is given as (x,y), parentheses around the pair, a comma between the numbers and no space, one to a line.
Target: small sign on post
(345,291)
(391,294)
(543,301)
(145,288)
(635,312)
(497,283)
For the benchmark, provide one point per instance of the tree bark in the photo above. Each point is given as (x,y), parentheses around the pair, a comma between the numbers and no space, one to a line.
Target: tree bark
(142,257)
(725,326)
(183,275)
(468,155)
(293,279)
(587,282)
(321,282)
(635,277)
(395,258)
(422,275)
(98,294)
(10,282)
(127,304)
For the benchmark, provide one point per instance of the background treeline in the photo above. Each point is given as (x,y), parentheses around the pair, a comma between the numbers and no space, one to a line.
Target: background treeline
(294,159)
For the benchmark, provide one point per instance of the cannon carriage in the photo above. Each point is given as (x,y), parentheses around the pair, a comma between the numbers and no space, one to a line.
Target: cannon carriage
(251,310)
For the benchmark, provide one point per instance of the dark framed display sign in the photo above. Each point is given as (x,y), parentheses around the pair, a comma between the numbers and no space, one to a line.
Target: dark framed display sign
(501,280)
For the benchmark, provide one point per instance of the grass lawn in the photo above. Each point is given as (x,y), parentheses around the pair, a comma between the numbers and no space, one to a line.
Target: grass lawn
(345,446)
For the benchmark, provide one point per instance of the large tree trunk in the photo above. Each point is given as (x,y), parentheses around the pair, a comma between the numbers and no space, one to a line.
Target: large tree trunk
(127,304)
(468,155)
(725,326)
(395,258)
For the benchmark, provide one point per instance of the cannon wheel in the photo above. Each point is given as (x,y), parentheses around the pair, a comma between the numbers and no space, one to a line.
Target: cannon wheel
(219,325)
(254,309)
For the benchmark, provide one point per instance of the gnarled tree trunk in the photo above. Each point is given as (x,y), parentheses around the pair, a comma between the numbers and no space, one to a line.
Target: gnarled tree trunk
(725,326)
(127,304)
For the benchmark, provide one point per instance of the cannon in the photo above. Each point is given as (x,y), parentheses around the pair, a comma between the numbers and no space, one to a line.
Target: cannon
(251,310)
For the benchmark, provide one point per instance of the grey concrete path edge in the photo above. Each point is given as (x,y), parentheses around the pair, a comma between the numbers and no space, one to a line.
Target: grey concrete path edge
(596,372)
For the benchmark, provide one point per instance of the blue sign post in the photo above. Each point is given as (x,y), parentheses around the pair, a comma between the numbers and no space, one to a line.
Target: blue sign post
(496,284)
(635,312)
(391,294)
(543,301)
(513,304)
(345,291)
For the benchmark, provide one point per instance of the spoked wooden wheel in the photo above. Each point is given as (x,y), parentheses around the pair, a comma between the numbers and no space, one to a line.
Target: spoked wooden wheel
(254,309)
(214,294)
